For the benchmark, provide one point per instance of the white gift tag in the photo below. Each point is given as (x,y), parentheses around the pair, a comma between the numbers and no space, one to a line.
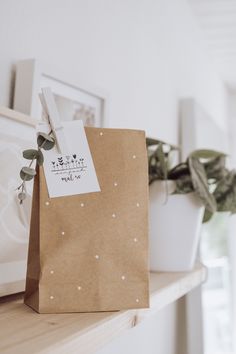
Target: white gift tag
(74,172)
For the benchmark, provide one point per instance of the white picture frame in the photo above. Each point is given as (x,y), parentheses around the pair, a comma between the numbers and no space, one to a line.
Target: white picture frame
(73,102)
(17,132)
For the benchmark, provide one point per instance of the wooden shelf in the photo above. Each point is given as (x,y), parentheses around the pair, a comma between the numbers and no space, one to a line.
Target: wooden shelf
(24,331)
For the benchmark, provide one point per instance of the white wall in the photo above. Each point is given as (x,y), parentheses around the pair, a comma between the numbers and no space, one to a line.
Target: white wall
(161,334)
(146,54)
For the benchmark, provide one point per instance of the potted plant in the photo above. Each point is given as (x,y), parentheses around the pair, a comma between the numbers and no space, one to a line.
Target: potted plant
(178,198)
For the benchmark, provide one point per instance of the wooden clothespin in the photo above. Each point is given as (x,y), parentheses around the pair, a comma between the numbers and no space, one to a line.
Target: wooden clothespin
(49,105)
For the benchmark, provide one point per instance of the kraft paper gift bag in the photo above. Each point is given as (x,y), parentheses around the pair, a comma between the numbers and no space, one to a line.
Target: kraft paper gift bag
(89,252)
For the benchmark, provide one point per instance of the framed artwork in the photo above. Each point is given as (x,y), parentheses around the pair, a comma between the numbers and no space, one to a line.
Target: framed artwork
(73,102)
(17,132)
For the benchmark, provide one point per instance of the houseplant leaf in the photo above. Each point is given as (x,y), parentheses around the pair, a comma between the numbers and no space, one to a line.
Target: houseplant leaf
(184,185)
(154,171)
(200,183)
(159,153)
(225,193)
(215,168)
(206,154)
(207,216)
(180,170)
(151,142)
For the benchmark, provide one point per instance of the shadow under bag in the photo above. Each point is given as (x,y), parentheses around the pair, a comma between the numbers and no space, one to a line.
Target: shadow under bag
(89,252)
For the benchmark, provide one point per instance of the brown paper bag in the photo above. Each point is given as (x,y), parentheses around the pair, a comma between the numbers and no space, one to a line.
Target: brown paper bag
(89,252)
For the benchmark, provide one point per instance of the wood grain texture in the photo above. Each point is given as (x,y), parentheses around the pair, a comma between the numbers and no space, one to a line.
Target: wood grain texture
(24,331)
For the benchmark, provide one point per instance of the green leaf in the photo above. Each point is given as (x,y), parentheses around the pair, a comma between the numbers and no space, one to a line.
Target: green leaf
(225,185)
(158,158)
(30,154)
(215,168)
(21,196)
(162,159)
(184,185)
(225,193)
(206,154)
(27,173)
(178,171)
(45,141)
(207,216)
(154,168)
(200,183)
(154,172)
(151,142)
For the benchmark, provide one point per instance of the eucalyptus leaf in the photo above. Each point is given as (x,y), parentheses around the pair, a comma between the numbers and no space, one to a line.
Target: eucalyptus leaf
(27,173)
(200,183)
(22,195)
(45,141)
(30,154)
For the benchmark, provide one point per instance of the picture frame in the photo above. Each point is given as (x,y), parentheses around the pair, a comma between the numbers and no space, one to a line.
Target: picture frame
(73,102)
(17,132)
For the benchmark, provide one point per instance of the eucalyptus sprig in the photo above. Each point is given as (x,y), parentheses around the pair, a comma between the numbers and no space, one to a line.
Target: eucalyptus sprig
(27,173)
